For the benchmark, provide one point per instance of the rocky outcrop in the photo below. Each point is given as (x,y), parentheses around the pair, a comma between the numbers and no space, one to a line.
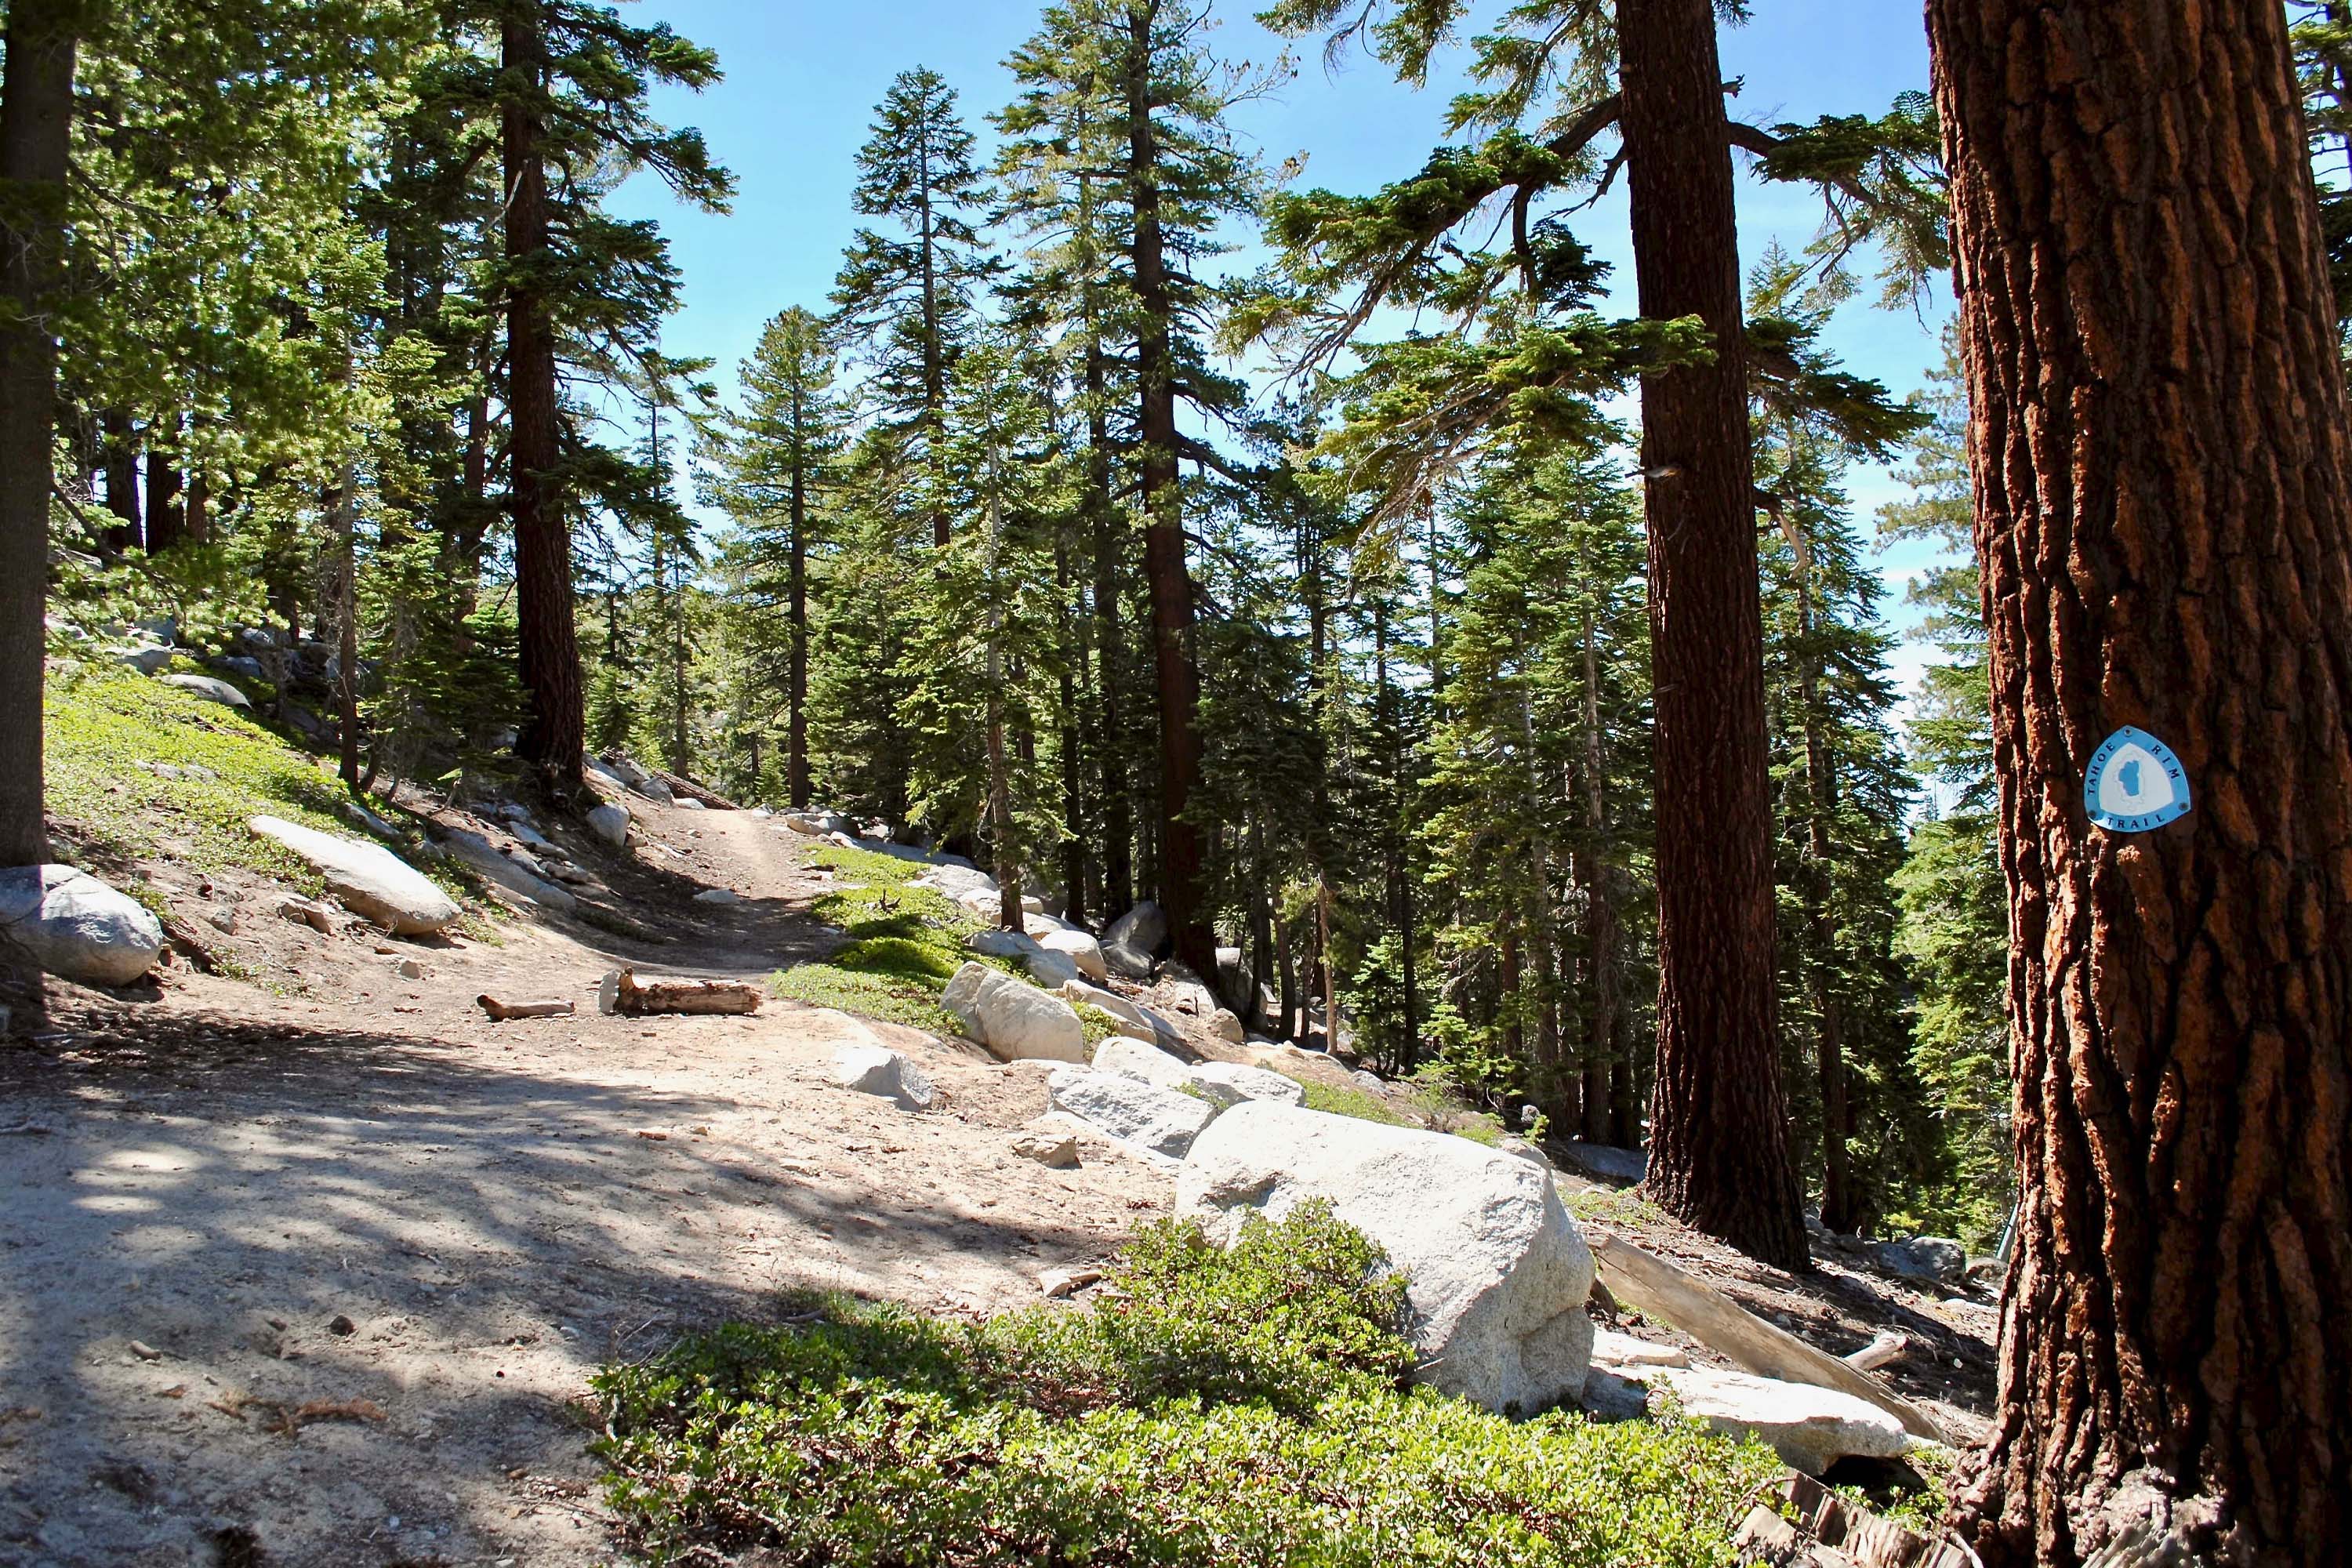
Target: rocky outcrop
(1220,1084)
(1014,1021)
(76,927)
(1497,1272)
(1127,963)
(517,872)
(1140,1115)
(370,879)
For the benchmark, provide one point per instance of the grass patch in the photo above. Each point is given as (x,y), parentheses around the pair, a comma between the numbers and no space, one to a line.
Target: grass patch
(1355,1102)
(869,865)
(905,944)
(1235,1407)
(1099,1024)
(102,725)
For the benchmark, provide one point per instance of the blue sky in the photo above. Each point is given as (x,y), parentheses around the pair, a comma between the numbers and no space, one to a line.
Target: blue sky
(802,81)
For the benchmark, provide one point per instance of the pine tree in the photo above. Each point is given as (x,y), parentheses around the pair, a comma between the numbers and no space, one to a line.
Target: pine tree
(770,468)
(906,299)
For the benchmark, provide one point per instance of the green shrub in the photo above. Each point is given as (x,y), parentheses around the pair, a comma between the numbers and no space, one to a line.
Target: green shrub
(1355,1102)
(905,944)
(1220,1408)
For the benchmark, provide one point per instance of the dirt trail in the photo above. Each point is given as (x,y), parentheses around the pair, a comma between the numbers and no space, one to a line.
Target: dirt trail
(226,1206)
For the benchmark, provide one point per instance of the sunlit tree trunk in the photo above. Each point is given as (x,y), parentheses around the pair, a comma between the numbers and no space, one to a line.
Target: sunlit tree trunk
(2164,523)
(1718,1141)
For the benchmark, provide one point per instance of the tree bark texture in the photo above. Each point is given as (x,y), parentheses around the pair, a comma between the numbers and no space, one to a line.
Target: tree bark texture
(2164,522)
(554,736)
(1164,565)
(1719,1143)
(796,765)
(35,123)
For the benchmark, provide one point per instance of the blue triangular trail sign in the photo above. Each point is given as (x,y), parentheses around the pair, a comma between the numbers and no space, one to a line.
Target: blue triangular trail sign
(2134,783)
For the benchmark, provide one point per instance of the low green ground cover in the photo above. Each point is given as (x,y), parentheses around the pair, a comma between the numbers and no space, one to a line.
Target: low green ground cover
(1220,1408)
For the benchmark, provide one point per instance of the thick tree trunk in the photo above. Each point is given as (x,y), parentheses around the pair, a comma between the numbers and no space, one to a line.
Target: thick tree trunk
(554,735)
(1719,1140)
(35,121)
(2164,521)
(1602,1003)
(1164,567)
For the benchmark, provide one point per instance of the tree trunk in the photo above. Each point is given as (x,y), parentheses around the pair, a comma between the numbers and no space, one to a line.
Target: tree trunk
(35,123)
(1163,539)
(1719,1141)
(166,525)
(554,735)
(796,773)
(119,462)
(342,519)
(1119,830)
(1074,800)
(2164,522)
(1597,873)
(1820,792)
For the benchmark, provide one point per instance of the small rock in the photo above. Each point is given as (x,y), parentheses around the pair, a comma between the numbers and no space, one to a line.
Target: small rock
(209,688)
(411,969)
(222,921)
(610,822)
(75,926)
(342,1325)
(717,895)
(310,911)
(145,1351)
(1055,1151)
(1612,1349)
(1227,1027)
(145,660)
(1058,1282)
(877,1070)
(687,803)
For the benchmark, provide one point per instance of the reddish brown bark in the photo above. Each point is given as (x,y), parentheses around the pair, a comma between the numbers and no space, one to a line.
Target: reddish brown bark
(1164,568)
(2164,520)
(1719,1146)
(553,734)
(35,121)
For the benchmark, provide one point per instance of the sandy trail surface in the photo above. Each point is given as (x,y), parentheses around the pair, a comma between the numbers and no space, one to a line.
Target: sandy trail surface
(320,1277)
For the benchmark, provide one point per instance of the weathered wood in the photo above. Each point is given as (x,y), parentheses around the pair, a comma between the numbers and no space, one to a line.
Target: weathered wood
(1723,1325)
(680,784)
(622,992)
(1885,1348)
(502,1011)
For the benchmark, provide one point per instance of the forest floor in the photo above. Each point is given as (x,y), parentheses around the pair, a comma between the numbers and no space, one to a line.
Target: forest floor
(313,1266)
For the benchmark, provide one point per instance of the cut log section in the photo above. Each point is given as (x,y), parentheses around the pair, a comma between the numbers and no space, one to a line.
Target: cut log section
(502,1011)
(1723,1325)
(1885,1348)
(622,992)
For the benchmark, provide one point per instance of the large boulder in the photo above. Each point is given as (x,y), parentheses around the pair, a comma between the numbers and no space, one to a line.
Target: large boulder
(1050,968)
(1127,963)
(609,822)
(502,869)
(146,660)
(953,882)
(1142,928)
(1140,1115)
(371,881)
(1219,1083)
(209,688)
(76,927)
(1080,949)
(1810,1428)
(1135,1021)
(655,790)
(1015,1021)
(1229,1083)
(1226,1027)
(1001,943)
(1497,1272)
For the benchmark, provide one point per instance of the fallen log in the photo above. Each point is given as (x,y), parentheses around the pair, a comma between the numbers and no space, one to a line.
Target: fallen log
(502,1011)
(624,993)
(1658,1288)
(1888,1346)
(680,784)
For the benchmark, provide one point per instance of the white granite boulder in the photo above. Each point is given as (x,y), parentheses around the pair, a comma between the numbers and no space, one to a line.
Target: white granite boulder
(610,822)
(1497,1272)
(1081,949)
(1142,928)
(370,879)
(1809,1427)
(517,873)
(1220,1084)
(1015,1020)
(1144,1116)
(209,688)
(879,1071)
(76,927)
(1127,963)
